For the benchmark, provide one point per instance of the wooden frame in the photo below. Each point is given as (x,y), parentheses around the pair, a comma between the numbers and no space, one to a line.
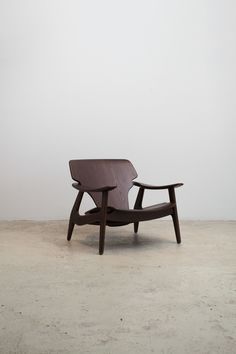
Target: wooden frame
(90,175)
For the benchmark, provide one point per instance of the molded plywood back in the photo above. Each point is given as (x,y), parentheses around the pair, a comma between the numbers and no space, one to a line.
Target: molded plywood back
(98,173)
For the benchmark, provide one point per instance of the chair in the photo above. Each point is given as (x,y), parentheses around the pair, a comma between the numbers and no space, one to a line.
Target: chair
(108,183)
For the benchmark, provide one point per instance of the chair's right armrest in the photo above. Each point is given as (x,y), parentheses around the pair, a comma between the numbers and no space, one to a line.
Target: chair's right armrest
(148,186)
(82,188)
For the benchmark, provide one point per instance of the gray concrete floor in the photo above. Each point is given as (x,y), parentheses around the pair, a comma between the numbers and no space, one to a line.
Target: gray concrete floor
(146,294)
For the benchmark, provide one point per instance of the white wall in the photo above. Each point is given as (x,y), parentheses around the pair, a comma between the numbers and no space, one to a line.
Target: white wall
(152,81)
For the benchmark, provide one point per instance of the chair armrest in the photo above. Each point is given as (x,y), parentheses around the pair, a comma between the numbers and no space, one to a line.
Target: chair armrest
(148,186)
(92,189)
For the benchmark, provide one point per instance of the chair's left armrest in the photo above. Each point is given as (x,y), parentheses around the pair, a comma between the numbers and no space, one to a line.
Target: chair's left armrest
(92,189)
(148,186)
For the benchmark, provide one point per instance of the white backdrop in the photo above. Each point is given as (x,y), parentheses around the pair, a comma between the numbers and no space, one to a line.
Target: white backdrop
(152,81)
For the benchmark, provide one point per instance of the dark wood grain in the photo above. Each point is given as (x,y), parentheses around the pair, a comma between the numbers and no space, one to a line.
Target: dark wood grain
(108,183)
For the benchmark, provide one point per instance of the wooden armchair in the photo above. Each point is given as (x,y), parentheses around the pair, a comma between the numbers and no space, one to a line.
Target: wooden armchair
(108,183)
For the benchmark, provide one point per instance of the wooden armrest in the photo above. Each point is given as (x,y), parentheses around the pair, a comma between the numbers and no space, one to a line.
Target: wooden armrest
(148,186)
(92,189)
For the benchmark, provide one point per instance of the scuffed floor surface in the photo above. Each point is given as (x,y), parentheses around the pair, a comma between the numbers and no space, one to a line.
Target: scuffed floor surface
(146,294)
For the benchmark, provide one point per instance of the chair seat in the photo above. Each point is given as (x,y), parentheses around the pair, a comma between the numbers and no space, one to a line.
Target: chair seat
(118,217)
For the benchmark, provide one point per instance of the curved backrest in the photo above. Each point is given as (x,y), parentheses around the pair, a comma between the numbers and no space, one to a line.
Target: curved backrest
(98,173)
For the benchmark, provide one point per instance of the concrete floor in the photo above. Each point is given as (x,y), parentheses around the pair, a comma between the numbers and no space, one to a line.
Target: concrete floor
(146,294)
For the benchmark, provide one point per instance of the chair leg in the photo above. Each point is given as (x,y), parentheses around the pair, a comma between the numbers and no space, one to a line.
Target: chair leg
(176,225)
(136,224)
(103,222)
(138,205)
(70,229)
(74,211)
(175,214)
(102,238)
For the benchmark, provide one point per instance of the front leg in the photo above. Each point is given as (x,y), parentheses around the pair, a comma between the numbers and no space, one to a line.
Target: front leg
(73,212)
(138,205)
(174,214)
(103,222)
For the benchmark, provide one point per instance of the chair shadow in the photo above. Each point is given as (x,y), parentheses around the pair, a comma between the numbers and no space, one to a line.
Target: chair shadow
(126,241)
(116,239)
